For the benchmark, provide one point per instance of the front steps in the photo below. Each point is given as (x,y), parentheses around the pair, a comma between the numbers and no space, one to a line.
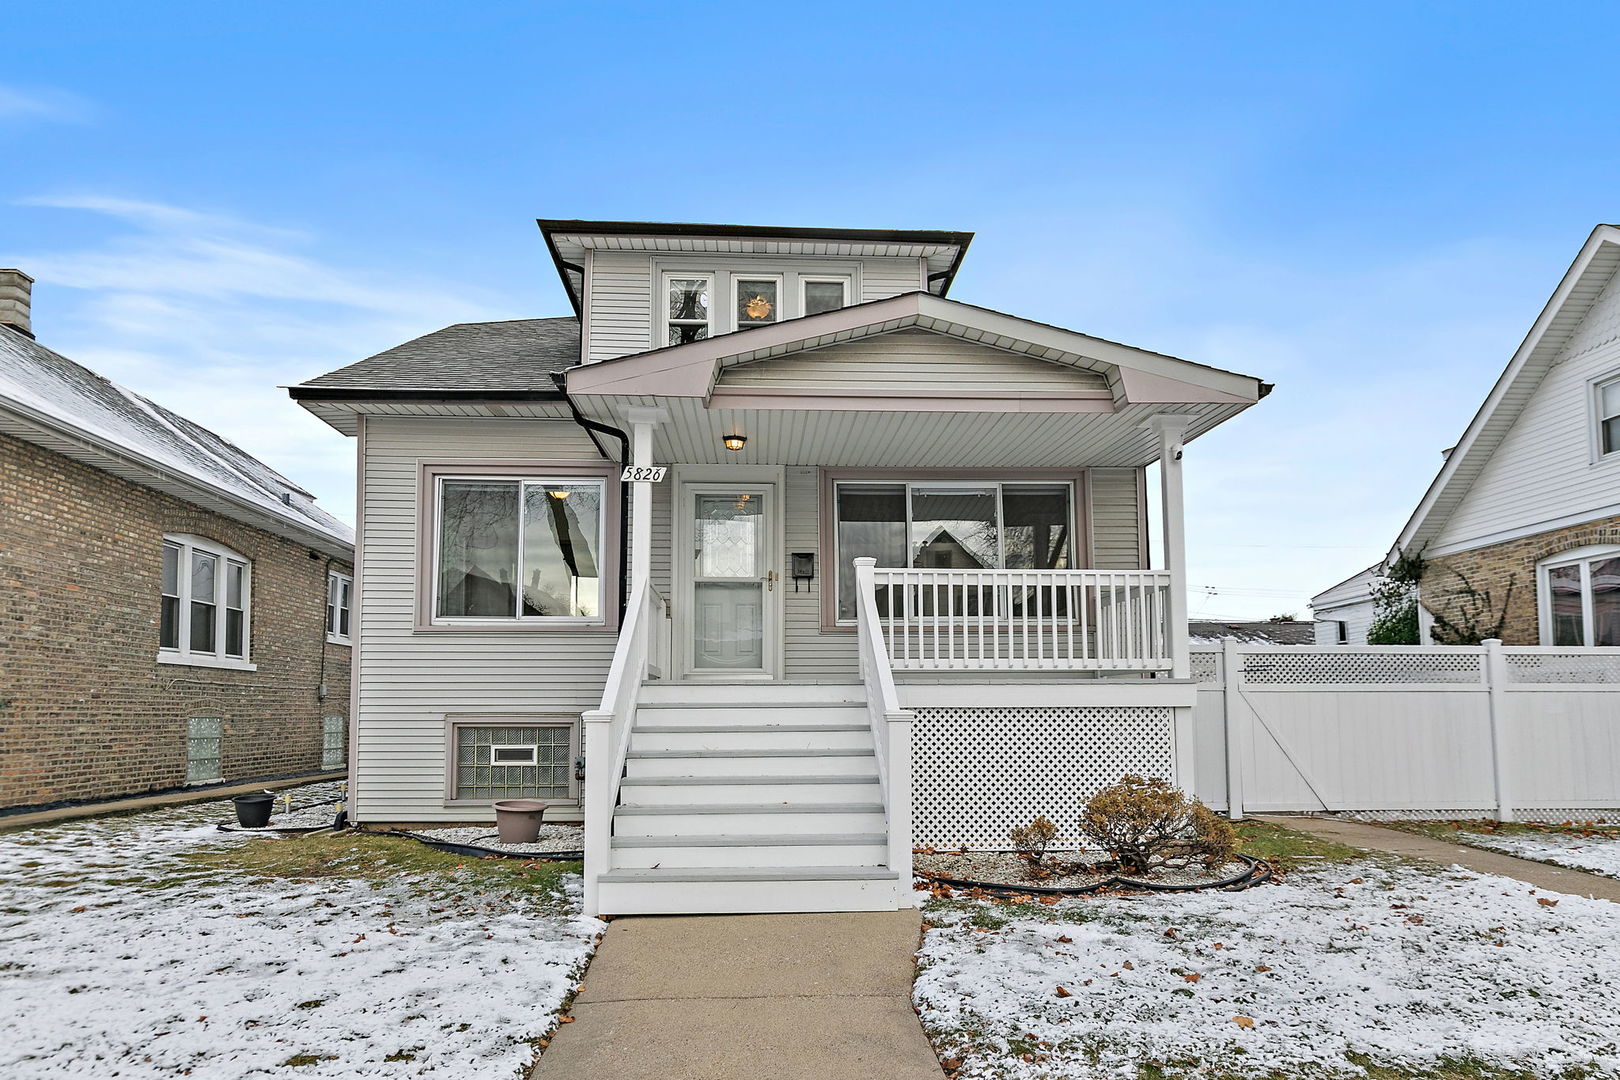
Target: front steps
(757,798)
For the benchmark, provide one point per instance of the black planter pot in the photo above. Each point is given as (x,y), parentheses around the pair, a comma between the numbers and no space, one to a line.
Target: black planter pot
(253,811)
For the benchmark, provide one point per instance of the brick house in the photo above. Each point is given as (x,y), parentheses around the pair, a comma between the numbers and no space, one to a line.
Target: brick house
(1520,531)
(172,611)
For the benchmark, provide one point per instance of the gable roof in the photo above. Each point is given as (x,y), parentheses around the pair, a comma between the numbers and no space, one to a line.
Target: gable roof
(1355,589)
(1580,287)
(568,240)
(516,354)
(1134,375)
(49,400)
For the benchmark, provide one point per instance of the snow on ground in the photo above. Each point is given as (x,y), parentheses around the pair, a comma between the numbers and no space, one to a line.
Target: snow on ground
(1599,854)
(119,959)
(1404,965)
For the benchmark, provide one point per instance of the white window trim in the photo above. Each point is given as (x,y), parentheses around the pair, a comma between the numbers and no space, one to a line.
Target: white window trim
(839,279)
(662,299)
(337,579)
(790,271)
(1582,557)
(1001,518)
(1595,417)
(182,654)
(781,312)
(516,618)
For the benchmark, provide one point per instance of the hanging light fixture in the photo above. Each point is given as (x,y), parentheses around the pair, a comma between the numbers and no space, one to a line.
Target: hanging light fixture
(734,442)
(560,494)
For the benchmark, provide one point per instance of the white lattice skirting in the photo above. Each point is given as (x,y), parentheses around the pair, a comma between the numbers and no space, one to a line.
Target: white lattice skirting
(978,772)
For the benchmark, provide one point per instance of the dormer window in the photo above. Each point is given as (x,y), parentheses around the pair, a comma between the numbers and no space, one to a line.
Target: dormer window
(823,294)
(759,301)
(688,299)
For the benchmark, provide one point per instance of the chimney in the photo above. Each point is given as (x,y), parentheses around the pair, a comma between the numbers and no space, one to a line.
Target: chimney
(16,289)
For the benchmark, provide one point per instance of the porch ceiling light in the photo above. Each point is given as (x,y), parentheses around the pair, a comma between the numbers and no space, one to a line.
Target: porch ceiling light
(559,494)
(734,442)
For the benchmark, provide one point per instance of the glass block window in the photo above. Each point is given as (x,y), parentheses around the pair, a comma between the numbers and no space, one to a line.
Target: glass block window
(203,738)
(334,752)
(539,756)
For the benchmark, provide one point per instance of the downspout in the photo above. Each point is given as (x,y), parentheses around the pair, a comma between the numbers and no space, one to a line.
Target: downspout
(592,429)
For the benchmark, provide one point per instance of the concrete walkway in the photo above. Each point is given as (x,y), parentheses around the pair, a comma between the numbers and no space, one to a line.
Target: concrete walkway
(1362,834)
(716,997)
(152,802)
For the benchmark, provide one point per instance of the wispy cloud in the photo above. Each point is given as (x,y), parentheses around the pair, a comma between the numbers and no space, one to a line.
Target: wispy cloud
(209,314)
(43,104)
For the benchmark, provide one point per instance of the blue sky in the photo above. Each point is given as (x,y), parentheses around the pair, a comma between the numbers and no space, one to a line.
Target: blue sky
(1366,207)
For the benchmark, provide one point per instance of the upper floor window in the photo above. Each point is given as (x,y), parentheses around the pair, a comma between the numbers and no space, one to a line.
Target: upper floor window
(520,549)
(688,300)
(690,311)
(206,593)
(339,606)
(1579,594)
(1606,413)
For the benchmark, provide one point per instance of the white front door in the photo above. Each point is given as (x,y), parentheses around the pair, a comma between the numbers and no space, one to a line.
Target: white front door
(732,594)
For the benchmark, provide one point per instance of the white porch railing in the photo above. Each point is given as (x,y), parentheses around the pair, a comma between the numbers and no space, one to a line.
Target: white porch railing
(891,729)
(1023,620)
(642,653)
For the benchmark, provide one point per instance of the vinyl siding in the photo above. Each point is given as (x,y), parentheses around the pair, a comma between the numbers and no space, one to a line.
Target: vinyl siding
(409,681)
(619,306)
(1543,471)
(915,360)
(1118,520)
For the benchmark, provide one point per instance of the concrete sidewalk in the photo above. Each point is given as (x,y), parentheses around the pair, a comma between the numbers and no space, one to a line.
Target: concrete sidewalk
(1363,834)
(716,997)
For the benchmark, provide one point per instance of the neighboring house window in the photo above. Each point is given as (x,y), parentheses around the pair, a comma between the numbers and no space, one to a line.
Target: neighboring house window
(204,612)
(1342,629)
(687,308)
(973,525)
(1606,410)
(339,606)
(511,760)
(1580,597)
(203,759)
(759,301)
(333,751)
(821,294)
(525,549)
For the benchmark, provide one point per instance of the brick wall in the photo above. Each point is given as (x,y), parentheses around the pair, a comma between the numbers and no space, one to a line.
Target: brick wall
(1491,569)
(86,711)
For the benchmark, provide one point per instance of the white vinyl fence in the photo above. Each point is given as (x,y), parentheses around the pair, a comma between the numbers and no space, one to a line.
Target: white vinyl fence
(1489,729)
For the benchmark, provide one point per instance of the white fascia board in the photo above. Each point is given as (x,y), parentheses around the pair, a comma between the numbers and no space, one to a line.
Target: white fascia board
(1420,526)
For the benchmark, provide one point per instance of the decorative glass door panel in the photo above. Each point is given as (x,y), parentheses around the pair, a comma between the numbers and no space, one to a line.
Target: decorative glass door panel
(733,580)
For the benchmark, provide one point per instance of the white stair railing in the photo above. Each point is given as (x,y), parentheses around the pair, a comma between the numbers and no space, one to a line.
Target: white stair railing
(1025,620)
(891,728)
(642,652)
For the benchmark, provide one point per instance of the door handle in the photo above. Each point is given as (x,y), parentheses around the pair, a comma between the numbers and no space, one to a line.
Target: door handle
(770,580)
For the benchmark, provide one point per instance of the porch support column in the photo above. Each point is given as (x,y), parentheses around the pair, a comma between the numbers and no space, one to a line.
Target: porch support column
(1171,429)
(642,421)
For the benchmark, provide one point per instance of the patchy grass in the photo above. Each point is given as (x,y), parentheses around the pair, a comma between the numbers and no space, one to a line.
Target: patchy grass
(1587,846)
(1290,849)
(1374,969)
(1460,829)
(377,858)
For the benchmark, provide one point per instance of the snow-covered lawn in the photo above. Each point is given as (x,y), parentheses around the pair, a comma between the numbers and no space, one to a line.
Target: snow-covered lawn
(153,945)
(1420,971)
(1579,849)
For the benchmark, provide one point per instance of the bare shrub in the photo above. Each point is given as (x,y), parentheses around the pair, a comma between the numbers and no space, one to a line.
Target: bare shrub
(1031,842)
(1148,823)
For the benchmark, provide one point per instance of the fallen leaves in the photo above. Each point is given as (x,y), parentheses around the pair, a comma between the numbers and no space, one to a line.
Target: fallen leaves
(1062,993)
(1244,1022)
(1544,902)
(1191,976)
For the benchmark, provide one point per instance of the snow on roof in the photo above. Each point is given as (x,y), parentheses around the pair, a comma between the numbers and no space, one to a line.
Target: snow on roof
(1269,632)
(48,390)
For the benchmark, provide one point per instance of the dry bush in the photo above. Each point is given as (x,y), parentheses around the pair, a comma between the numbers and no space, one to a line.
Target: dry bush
(1144,824)
(1031,842)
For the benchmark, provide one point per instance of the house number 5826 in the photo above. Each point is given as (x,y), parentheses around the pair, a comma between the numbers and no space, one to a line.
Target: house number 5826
(650,473)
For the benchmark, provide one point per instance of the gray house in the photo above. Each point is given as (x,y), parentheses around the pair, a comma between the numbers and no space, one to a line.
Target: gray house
(770,562)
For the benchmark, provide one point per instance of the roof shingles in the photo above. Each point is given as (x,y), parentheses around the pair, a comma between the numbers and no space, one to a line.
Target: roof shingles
(517,354)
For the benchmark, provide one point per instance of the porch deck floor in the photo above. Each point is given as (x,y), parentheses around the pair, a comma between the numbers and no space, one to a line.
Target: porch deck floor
(716,997)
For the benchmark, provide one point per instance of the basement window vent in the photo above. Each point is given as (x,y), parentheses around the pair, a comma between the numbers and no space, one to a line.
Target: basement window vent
(203,760)
(514,755)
